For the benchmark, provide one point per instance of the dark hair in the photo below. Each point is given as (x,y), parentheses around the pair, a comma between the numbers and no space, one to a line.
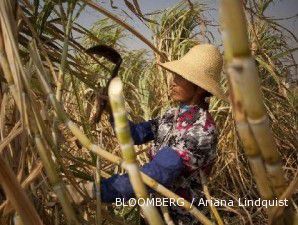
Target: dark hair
(203,103)
(207,94)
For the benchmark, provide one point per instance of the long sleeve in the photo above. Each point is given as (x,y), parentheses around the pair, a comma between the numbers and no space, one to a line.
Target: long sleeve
(165,168)
(142,132)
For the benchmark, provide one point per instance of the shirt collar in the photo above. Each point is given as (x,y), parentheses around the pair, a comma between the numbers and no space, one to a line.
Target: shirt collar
(184,107)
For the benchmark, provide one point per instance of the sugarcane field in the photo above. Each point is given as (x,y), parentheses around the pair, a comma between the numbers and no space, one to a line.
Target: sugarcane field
(137,112)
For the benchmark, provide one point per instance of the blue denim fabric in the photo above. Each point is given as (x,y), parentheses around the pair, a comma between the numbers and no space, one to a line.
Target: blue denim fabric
(141,132)
(165,167)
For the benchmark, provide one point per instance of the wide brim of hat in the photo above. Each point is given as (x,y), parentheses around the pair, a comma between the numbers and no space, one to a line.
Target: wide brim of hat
(179,67)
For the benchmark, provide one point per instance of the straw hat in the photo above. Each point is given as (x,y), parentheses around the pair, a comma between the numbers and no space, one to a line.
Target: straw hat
(201,65)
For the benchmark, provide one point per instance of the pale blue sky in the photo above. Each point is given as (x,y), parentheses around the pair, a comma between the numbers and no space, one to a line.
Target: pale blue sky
(281,9)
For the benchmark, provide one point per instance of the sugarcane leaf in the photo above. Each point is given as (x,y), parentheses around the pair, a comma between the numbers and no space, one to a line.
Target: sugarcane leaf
(132,9)
(137,7)
(72,1)
(269,68)
(44,15)
(36,5)
(265,5)
(79,174)
(282,54)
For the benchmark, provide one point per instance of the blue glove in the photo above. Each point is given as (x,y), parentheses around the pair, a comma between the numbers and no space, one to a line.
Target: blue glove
(165,167)
(141,133)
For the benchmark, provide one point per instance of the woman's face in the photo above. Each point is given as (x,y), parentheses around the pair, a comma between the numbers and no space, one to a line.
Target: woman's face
(182,90)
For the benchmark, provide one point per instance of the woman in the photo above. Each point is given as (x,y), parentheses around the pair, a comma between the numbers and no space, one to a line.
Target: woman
(184,137)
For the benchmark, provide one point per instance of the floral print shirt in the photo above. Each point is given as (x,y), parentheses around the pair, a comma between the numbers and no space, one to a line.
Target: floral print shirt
(191,132)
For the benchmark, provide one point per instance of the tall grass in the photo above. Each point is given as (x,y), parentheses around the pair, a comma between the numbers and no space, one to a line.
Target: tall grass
(58,66)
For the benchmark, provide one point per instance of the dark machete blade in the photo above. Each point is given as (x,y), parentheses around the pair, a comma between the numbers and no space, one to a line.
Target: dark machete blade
(105,51)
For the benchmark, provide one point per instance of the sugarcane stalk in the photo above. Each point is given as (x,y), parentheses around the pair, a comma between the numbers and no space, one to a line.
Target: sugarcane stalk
(17,220)
(258,121)
(43,132)
(11,63)
(165,213)
(46,157)
(17,196)
(107,155)
(6,207)
(16,130)
(128,153)
(8,74)
(64,202)
(208,197)
(63,64)
(98,193)
(57,184)
(251,148)
(85,126)
(277,211)
(98,215)
(52,173)
(250,115)
(40,45)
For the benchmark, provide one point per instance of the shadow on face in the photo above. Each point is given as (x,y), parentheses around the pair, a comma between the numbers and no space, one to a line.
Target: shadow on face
(184,91)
